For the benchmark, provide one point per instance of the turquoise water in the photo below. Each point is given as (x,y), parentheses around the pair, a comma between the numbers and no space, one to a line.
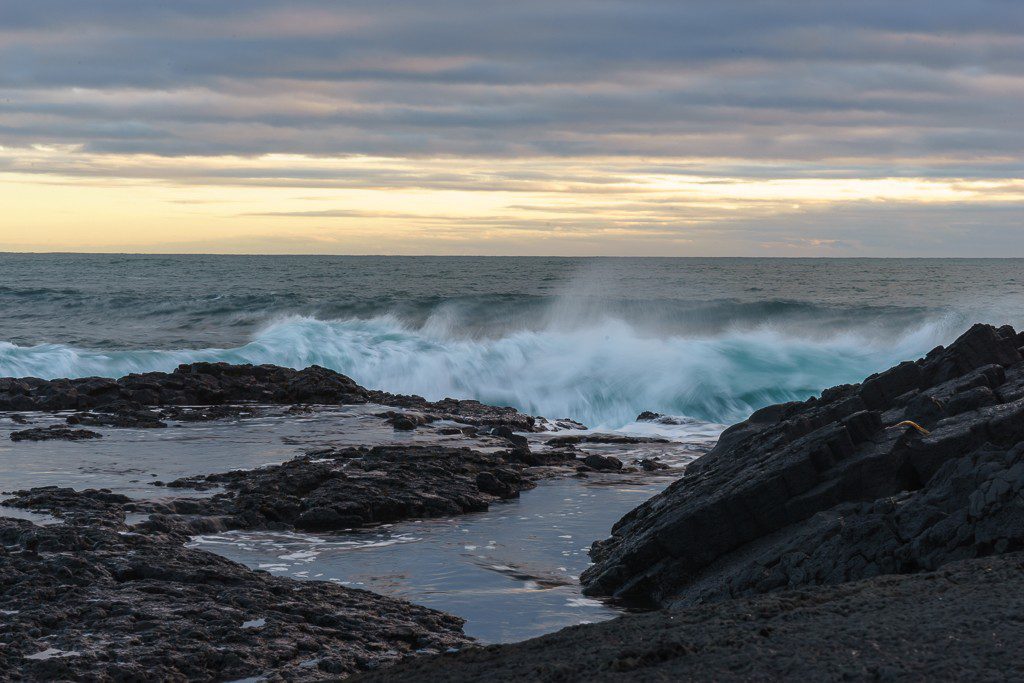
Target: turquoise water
(594,339)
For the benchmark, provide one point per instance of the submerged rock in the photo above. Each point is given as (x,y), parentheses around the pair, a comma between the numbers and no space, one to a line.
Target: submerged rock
(130,417)
(617,439)
(53,433)
(918,466)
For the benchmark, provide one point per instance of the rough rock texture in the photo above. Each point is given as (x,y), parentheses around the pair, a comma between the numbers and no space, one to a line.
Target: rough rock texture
(101,602)
(918,466)
(350,487)
(962,622)
(621,439)
(466,412)
(333,489)
(124,417)
(54,433)
(208,384)
(192,384)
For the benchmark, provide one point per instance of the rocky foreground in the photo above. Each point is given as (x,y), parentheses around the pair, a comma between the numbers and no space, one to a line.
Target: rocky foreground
(871,533)
(876,531)
(92,597)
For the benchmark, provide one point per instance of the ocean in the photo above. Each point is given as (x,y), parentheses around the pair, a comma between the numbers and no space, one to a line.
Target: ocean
(595,339)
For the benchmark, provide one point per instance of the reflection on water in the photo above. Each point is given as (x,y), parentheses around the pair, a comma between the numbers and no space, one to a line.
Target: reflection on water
(512,572)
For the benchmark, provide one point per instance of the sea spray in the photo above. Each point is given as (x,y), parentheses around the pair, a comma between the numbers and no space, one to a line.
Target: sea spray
(603,372)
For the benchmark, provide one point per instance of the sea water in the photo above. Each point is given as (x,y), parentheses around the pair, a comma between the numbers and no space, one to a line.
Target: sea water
(705,341)
(598,340)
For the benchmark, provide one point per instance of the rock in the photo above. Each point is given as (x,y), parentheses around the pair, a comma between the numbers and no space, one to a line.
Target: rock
(517,440)
(144,419)
(109,603)
(465,412)
(602,463)
(350,487)
(207,413)
(189,385)
(647,416)
(576,439)
(227,385)
(488,483)
(917,627)
(651,464)
(916,467)
(54,432)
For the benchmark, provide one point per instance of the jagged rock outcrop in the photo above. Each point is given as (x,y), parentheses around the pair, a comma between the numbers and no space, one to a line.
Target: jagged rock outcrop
(192,384)
(329,490)
(915,467)
(961,622)
(54,433)
(99,601)
(215,384)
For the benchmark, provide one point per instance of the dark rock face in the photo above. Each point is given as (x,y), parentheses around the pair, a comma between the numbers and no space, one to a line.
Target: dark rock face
(220,384)
(101,602)
(126,417)
(918,466)
(466,412)
(330,490)
(192,384)
(621,439)
(602,463)
(54,433)
(961,622)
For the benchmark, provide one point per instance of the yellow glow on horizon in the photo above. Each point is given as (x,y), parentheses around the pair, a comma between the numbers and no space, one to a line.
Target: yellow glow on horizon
(60,198)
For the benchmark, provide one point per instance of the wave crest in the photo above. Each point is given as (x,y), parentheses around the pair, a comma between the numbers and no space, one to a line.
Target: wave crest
(603,372)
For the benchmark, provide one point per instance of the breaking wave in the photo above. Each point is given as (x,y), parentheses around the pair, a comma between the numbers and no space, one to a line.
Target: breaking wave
(600,371)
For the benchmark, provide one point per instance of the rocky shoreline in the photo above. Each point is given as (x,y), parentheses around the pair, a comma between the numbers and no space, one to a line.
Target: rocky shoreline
(93,597)
(876,531)
(872,533)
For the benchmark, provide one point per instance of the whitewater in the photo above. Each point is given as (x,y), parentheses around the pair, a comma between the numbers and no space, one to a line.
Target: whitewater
(599,343)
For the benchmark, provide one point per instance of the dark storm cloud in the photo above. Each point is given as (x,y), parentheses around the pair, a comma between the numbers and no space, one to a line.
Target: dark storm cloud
(821,82)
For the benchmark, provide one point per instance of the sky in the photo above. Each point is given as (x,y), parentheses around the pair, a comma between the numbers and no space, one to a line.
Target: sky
(569,127)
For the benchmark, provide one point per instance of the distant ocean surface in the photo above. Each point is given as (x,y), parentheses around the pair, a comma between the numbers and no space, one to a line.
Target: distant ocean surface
(598,340)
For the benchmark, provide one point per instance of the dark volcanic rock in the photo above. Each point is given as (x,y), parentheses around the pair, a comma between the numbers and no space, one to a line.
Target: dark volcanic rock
(466,412)
(621,439)
(351,487)
(54,432)
(192,384)
(102,602)
(918,466)
(651,464)
(406,421)
(146,419)
(962,622)
(602,463)
(222,384)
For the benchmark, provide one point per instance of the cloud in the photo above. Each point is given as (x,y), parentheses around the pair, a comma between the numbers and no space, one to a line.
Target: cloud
(782,79)
(577,97)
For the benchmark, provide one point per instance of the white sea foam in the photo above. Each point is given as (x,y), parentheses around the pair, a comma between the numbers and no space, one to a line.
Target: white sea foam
(603,372)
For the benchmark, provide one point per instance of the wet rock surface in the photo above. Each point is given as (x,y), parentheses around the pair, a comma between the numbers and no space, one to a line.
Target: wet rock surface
(99,601)
(54,433)
(916,467)
(352,487)
(221,384)
(329,490)
(961,622)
